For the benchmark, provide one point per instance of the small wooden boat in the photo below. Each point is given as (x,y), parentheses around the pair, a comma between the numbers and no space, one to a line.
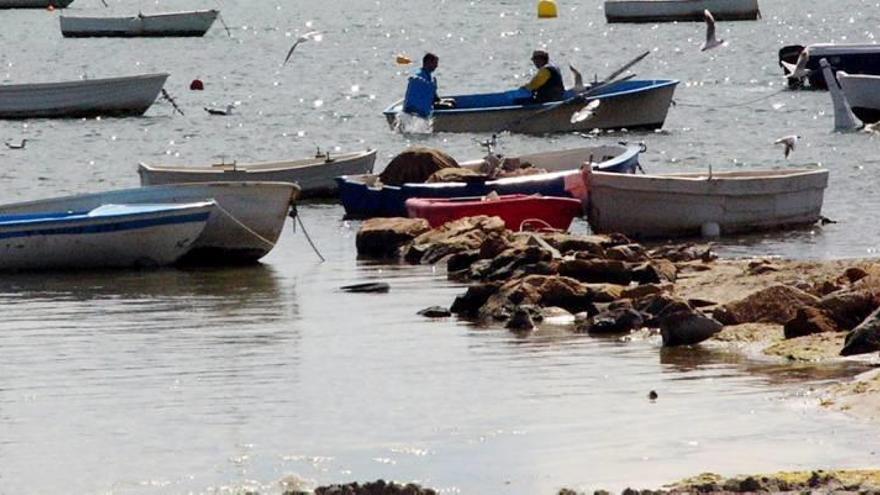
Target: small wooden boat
(632,104)
(363,198)
(188,23)
(517,210)
(34,4)
(109,236)
(117,96)
(315,176)
(680,205)
(851,58)
(243,227)
(863,95)
(680,10)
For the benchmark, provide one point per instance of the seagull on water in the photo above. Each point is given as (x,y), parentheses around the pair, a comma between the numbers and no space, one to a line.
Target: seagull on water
(217,111)
(586,112)
(311,35)
(578,79)
(16,146)
(788,142)
(711,40)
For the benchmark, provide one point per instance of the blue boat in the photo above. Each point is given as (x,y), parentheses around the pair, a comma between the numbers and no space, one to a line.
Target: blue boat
(363,197)
(631,104)
(110,236)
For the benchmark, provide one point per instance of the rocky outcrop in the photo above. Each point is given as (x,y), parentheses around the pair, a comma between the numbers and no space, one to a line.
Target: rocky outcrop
(687,328)
(807,321)
(451,238)
(537,290)
(379,487)
(864,338)
(383,237)
(775,304)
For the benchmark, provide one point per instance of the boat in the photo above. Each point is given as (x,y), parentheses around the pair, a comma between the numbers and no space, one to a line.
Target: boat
(862,92)
(691,204)
(517,210)
(187,23)
(315,176)
(801,64)
(362,197)
(680,10)
(117,96)
(630,104)
(109,236)
(34,4)
(244,226)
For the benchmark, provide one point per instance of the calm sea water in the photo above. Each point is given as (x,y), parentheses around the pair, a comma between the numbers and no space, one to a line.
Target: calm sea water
(213,381)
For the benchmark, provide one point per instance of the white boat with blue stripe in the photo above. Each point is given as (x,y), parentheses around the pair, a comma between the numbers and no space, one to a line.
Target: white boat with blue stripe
(109,236)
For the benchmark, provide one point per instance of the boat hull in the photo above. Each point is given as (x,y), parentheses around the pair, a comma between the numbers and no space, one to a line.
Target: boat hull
(315,176)
(632,105)
(562,180)
(517,211)
(242,229)
(115,236)
(680,10)
(34,4)
(119,96)
(193,23)
(679,205)
(863,95)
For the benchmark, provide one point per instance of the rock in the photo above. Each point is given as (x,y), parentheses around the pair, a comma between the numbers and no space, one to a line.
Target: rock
(462,260)
(849,308)
(853,275)
(521,320)
(453,237)
(567,243)
(383,237)
(627,252)
(687,328)
(468,304)
(774,304)
(686,252)
(603,293)
(655,271)
(660,304)
(555,315)
(614,321)
(641,291)
(495,244)
(596,271)
(435,312)
(700,303)
(538,290)
(760,267)
(864,338)
(807,321)
(378,487)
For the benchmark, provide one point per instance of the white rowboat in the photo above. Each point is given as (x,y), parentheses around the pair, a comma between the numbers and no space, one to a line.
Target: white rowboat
(680,10)
(109,236)
(313,175)
(243,228)
(863,95)
(680,205)
(115,96)
(189,23)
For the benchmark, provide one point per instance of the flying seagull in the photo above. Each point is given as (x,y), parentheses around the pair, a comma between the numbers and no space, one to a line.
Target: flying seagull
(798,70)
(217,111)
(711,40)
(17,146)
(311,35)
(578,79)
(788,142)
(586,112)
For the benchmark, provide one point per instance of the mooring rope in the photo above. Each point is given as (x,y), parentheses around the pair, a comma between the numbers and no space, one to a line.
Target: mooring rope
(243,226)
(734,105)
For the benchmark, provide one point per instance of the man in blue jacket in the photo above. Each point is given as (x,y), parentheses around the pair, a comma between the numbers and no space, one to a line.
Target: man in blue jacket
(421,90)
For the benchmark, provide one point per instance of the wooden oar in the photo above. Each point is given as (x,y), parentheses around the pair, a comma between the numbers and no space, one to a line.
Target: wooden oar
(627,66)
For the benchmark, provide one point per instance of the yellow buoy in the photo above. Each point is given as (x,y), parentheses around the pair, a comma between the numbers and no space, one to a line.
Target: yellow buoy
(546,9)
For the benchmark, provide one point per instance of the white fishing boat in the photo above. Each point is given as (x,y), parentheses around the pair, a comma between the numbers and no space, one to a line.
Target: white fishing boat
(315,176)
(243,227)
(681,205)
(34,4)
(108,236)
(117,96)
(631,104)
(187,23)
(862,92)
(680,10)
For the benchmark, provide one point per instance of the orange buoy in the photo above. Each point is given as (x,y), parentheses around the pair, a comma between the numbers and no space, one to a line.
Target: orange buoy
(403,60)
(196,85)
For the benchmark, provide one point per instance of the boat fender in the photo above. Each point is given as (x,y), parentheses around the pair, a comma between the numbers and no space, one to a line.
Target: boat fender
(547,9)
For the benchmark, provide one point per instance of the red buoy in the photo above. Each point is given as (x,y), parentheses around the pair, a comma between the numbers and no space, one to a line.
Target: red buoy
(196,85)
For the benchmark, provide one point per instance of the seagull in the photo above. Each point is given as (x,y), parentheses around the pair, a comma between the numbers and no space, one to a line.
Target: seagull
(799,69)
(217,111)
(311,35)
(578,79)
(789,142)
(711,40)
(586,112)
(17,146)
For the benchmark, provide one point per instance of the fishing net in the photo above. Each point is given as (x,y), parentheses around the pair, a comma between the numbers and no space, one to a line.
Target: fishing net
(416,164)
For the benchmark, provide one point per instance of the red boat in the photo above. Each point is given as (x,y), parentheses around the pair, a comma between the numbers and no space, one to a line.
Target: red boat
(517,210)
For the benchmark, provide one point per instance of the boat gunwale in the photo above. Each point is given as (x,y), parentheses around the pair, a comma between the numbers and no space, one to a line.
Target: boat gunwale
(82,82)
(142,15)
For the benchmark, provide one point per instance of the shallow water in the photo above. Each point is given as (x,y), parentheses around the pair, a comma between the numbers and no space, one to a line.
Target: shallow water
(214,380)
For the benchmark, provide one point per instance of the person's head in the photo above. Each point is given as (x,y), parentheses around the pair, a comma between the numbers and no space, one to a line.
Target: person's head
(430,61)
(540,58)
